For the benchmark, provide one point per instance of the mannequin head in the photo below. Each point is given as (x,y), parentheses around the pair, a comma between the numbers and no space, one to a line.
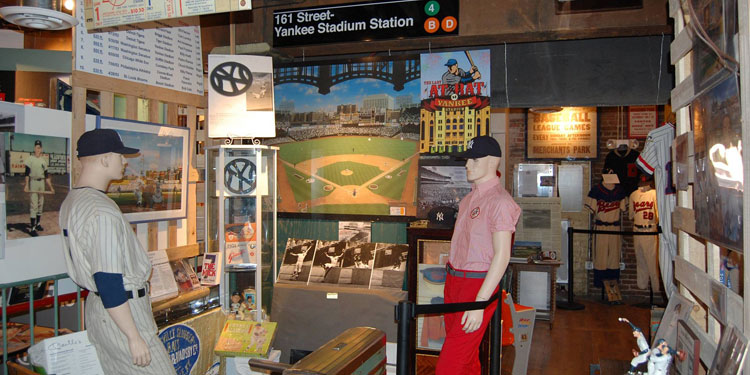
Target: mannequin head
(102,156)
(483,157)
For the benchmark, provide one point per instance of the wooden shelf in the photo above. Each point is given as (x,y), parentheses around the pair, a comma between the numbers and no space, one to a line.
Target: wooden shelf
(182,298)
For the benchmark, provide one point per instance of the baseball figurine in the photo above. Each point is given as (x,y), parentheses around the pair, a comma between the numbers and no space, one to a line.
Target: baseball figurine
(103,255)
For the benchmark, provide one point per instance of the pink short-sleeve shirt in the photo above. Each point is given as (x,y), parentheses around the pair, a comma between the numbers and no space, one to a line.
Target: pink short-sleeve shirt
(488,208)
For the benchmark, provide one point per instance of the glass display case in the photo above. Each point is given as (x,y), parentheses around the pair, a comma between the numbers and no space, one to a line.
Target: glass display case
(241,223)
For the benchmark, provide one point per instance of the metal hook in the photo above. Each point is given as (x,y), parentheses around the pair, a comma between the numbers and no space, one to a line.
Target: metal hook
(389,52)
(429,46)
(303,55)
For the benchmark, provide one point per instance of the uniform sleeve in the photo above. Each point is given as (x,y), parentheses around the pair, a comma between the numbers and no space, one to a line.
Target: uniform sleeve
(624,204)
(647,159)
(505,216)
(590,204)
(107,244)
(631,206)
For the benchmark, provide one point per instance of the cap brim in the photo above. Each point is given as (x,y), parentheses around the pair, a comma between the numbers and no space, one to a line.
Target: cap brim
(127,151)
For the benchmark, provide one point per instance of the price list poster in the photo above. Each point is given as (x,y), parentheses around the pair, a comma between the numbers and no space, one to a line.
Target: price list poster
(167,54)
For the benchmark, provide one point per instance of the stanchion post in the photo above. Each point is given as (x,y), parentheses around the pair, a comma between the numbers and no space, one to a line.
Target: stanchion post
(496,336)
(405,318)
(570,304)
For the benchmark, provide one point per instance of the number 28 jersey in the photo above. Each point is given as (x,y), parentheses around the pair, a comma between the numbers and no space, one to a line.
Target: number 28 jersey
(643,209)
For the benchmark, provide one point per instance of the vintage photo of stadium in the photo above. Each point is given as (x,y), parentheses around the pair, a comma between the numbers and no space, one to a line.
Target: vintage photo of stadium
(441,186)
(37,179)
(348,133)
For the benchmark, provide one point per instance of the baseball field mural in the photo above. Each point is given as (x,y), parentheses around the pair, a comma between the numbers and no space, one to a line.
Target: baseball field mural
(347,133)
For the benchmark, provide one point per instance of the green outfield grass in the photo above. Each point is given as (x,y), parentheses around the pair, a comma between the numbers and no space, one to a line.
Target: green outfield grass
(301,189)
(315,148)
(361,173)
(128,199)
(354,209)
(393,187)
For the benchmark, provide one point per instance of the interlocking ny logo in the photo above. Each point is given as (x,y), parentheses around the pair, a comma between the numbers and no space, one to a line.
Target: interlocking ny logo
(439,216)
(471,144)
(231,78)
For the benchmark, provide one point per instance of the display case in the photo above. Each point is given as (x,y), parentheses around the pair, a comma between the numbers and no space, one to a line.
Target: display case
(241,223)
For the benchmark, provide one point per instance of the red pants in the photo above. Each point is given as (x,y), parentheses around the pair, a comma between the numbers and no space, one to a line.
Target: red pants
(460,352)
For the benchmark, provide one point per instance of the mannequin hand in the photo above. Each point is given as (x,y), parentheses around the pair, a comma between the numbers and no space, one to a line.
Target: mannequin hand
(139,351)
(471,320)
(25,188)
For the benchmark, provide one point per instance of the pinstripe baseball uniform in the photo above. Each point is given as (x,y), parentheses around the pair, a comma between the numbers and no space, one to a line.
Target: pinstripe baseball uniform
(606,205)
(655,160)
(37,168)
(98,238)
(643,211)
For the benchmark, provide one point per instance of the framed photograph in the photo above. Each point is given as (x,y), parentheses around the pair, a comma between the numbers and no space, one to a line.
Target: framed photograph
(690,344)
(678,308)
(718,186)
(441,186)
(717,301)
(154,186)
(297,261)
(37,180)
(432,256)
(390,266)
(348,136)
(718,19)
(357,263)
(731,352)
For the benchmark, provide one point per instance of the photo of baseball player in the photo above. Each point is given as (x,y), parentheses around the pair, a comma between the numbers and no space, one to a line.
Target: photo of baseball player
(390,265)
(326,266)
(37,180)
(297,260)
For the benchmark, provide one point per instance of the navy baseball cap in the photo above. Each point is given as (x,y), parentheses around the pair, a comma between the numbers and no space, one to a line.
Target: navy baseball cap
(102,141)
(479,147)
(451,62)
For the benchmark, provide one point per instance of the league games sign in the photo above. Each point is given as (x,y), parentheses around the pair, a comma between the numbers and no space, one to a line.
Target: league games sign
(368,21)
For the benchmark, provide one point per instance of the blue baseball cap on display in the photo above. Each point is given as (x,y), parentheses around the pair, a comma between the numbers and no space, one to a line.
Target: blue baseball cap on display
(102,141)
(451,62)
(479,147)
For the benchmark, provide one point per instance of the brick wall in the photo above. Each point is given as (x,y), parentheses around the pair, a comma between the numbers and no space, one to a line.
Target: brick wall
(612,125)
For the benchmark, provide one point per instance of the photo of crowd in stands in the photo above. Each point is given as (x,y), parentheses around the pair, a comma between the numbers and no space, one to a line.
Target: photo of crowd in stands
(153,182)
(441,186)
(348,134)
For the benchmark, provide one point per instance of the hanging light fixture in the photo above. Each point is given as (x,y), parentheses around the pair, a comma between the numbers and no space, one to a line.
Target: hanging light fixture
(40,14)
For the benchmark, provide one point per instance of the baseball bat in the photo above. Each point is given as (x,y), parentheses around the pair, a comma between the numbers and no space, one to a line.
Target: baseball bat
(468,56)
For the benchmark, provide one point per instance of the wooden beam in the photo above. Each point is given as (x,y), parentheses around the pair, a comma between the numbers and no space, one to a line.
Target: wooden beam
(182,298)
(102,83)
(182,252)
(192,123)
(681,45)
(684,220)
(683,94)
(131,107)
(743,18)
(78,127)
(107,103)
(699,283)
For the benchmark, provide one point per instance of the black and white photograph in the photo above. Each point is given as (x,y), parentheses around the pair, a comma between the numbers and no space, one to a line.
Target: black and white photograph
(355,231)
(357,263)
(441,186)
(326,265)
(731,352)
(297,260)
(718,187)
(37,179)
(390,265)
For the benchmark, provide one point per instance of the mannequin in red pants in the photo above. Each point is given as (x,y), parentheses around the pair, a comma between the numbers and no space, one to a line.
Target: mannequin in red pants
(480,252)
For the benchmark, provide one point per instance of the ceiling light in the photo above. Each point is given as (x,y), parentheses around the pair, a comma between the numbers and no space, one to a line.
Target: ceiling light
(69,4)
(550,109)
(39,14)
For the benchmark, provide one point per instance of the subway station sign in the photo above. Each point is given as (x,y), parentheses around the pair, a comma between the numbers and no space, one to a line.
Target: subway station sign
(395,19)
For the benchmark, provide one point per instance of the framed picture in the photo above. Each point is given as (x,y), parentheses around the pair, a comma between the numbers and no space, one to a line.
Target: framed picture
(731,352)
(154,185)
(690,344)
(678,309)
(717,301)
(32,203)
(432,256)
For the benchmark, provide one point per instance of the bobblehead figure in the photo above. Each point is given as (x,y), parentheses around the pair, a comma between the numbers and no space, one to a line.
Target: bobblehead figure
(479,255)
(104,256)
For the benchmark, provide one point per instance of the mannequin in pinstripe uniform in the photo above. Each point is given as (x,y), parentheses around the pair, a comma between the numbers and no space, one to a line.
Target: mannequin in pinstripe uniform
(104,256)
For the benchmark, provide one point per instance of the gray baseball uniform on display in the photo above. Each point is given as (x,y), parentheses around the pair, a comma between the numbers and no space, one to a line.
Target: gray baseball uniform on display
(655,160)
(98,238)
(37,174)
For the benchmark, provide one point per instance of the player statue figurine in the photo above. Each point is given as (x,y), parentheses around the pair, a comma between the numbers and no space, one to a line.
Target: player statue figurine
(658,358)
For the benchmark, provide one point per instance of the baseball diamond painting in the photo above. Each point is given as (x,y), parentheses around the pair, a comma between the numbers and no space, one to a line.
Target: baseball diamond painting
(348,133)
(37,179)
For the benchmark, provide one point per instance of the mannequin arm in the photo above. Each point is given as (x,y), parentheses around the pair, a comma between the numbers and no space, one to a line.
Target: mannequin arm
(122,316)
(472,320)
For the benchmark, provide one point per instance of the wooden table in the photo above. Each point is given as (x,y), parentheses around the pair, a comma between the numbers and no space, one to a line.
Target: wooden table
(549,269)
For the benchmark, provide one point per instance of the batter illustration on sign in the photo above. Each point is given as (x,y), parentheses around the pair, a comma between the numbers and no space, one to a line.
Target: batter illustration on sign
(456,75)
(644,213)
(36,179)
(606,201)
